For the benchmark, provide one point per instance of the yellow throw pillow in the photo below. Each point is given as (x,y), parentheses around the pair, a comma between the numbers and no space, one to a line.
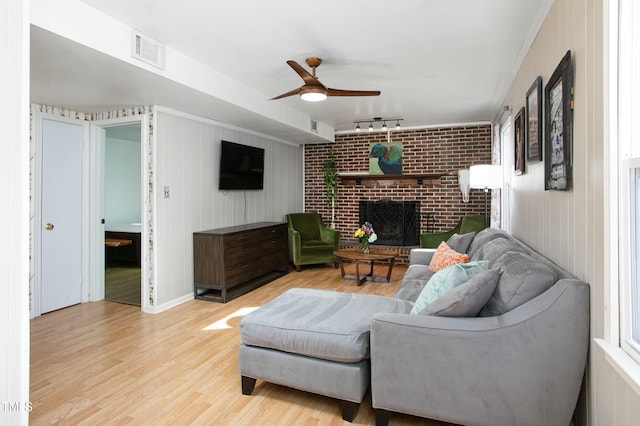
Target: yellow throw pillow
(445,256)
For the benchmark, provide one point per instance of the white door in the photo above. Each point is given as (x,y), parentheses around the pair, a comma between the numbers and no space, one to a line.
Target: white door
(61,214)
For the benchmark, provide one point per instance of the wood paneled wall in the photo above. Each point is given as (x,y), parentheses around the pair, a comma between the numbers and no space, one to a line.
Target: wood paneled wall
(187,157)
(569,226)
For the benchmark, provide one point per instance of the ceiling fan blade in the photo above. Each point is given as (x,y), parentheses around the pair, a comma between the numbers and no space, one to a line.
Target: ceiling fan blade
(339,92)
(289,93)
(309,79)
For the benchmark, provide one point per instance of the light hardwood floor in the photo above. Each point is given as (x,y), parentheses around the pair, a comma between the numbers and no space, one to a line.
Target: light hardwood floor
(109,363)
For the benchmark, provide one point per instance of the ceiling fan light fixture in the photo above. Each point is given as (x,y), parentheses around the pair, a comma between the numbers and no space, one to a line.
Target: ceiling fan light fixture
(313,94)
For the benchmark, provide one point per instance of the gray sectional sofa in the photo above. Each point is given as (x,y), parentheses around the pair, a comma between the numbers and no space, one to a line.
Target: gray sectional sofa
(509,346)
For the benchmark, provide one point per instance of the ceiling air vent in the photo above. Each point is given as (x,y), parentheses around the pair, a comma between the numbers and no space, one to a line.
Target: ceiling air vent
(147,50)
(314,126)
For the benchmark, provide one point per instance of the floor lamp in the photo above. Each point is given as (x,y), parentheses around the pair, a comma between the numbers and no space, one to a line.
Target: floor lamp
(485,176)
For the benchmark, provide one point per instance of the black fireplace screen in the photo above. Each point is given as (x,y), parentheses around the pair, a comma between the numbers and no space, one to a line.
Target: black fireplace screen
(396,223)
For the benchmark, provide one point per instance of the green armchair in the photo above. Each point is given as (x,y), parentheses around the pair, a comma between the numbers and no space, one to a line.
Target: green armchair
(310,242)
(470,223)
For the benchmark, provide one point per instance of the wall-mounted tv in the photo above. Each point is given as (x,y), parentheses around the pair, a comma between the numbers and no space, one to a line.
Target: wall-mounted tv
(241,166)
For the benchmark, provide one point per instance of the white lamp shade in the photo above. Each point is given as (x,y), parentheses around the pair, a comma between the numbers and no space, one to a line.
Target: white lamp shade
(485,176)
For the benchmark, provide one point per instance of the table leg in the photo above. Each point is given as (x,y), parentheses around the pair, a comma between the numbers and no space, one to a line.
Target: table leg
(342,267)
(360,280)
(390,269)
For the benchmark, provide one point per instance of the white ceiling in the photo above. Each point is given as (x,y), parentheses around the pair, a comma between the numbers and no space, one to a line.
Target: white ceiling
(435,61)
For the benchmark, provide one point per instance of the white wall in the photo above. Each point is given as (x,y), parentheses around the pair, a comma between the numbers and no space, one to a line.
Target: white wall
(77,21)
(14,212)
(122,176)
(569,227)
(187,151)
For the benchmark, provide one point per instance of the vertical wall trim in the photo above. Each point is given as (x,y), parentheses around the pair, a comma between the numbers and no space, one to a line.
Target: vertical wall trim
(14,213)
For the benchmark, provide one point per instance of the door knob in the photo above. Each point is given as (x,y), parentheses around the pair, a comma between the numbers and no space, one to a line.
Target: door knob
(48,226)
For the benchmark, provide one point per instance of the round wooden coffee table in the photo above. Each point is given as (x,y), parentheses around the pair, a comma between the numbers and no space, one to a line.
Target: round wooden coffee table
(355,254)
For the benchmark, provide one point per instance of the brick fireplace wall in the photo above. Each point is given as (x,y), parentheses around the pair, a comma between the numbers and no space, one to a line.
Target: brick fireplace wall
(434,151)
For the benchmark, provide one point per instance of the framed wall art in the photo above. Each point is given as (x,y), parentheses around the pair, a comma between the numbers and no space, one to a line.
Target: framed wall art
(385,158)
(518,139)
(558,103)
(533,122)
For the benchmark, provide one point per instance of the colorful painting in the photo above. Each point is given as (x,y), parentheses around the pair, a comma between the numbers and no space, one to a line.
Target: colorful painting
(385,158)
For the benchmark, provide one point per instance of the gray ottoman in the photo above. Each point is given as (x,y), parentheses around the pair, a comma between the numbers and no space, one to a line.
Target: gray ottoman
(313,340)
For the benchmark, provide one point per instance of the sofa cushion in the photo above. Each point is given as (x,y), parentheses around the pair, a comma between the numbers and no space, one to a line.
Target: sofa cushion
(322,324)
(494,249)
(467,299)
(521,279)
(445,256)
(414,280)
(461,242)
(483,237)
(446,279)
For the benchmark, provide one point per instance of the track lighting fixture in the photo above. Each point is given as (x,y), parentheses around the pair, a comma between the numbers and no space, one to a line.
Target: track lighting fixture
(384,127)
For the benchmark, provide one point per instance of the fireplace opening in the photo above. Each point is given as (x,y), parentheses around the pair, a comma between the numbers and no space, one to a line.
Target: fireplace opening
(396,223)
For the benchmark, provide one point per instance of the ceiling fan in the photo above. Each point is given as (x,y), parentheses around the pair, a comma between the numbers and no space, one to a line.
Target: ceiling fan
(313,90)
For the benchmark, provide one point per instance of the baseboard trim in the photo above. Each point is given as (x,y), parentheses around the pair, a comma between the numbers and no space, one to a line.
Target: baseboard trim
(168,305)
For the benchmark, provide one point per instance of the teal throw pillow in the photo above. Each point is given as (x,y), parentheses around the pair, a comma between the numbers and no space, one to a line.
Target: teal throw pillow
(467,299)
(446,279)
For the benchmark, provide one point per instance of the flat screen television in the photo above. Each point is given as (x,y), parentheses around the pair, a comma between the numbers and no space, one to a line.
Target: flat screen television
(241,166)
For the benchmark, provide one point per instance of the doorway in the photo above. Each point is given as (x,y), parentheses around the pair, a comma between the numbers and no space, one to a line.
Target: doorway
(122,166)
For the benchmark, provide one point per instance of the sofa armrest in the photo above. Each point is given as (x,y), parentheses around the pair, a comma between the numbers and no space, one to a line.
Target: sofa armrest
(421,256)
(523,367)
(330,236)
(294,245)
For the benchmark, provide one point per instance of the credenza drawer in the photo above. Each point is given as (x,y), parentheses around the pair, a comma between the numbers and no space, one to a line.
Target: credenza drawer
(275,261)
(240,239)
(273,244)
(274,233)
(240,254)
(241,272)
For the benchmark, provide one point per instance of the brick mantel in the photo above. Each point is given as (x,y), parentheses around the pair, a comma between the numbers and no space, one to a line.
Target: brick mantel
(429,153)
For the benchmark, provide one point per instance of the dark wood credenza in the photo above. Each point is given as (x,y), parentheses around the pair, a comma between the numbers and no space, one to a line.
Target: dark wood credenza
(229,262)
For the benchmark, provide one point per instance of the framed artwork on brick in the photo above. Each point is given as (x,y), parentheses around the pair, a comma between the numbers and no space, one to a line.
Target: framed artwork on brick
(533,125)
(518,142)
(558,103)
(385,158)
